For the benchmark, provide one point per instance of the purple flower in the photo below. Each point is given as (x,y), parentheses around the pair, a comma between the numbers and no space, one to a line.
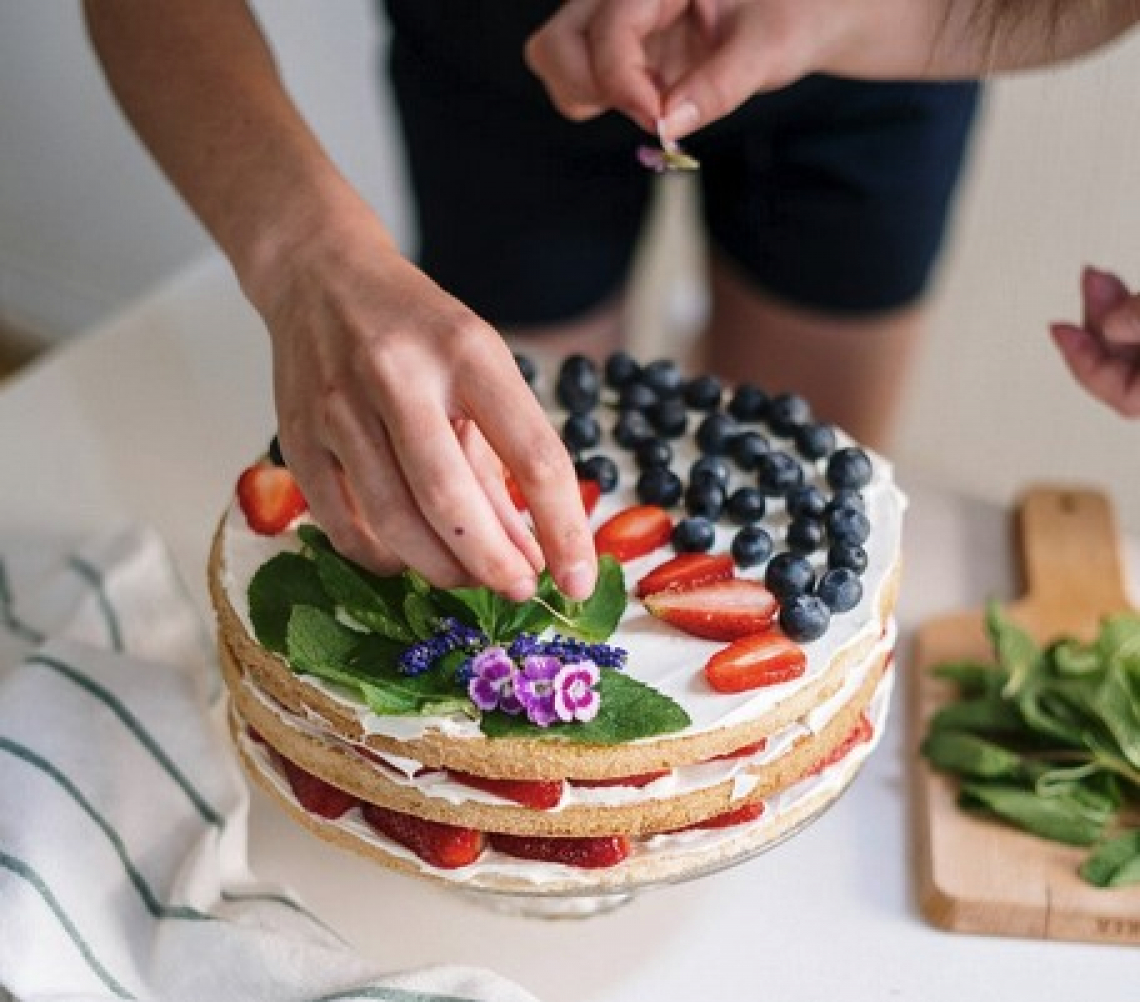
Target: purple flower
(492,684)
(574,695)
(651,157)
(534,686)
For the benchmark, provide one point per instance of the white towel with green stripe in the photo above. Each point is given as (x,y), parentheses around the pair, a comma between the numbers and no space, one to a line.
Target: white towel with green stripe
(123,870)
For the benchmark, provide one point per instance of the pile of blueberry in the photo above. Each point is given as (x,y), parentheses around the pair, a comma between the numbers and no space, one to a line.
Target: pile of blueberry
(766,439)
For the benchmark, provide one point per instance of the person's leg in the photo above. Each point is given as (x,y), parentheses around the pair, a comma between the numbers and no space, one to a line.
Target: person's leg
(826,210)
(852,369)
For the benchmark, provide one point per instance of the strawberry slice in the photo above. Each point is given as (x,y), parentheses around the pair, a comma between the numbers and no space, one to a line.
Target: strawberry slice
(761,659)
(720,610)
(590,491)
(446,846)
(638,779)
(743,751)
(686,571)
(313,793)
(862,731)
(539,794)
(634,532)
(270,498)
(590,853)
(737,816)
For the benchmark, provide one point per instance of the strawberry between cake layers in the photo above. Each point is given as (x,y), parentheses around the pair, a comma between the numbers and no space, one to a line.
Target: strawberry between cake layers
(704,763)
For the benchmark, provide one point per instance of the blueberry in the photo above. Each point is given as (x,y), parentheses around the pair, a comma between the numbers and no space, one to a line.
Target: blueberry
(600,468)
(659,485)
(747,448)
(527,369)
(709,468)
(854,558)
(748,403)
(815,441)
(664,376)
(702,393)
(693,535)
(632,429)
(636,396)
(578,386)
(669,417)
(788,574)
(840,589)
(276,456)
(805,535)
(621,368)
(778,472)
(806,500)
(849,469)
(848,525)
(654,452)
(786,413)
(581,432)
(804,617)
(746,504)
(705,498)
(751,546)
(715,434)
(847,499)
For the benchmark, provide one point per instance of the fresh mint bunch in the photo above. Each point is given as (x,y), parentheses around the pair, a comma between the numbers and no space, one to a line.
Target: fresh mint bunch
(1048,739)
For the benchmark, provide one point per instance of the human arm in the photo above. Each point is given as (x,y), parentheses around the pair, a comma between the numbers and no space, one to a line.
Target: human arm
(681,64)
(395,402)
(1103,351)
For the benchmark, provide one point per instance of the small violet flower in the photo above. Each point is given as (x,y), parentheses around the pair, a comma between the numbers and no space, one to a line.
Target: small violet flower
(534,686)
(574,695)
(492,682)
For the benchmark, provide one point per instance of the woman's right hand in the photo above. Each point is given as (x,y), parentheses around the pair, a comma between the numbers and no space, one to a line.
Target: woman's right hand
(399,412)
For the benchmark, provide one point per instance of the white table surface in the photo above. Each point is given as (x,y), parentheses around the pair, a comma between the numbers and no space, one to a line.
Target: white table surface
(152,417)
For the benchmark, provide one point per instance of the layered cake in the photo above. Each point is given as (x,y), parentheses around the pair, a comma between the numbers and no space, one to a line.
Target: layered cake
(721,687)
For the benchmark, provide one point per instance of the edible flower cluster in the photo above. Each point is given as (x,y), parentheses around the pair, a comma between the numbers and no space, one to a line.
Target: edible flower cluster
(547,681)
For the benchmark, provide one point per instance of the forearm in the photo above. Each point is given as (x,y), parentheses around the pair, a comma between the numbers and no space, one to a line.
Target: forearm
(949,39)
(199,85)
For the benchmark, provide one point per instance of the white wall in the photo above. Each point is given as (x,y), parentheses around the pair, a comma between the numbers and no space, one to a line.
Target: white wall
(86,223)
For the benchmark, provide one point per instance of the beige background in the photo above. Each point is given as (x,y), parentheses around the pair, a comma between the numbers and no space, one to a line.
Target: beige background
(86,225)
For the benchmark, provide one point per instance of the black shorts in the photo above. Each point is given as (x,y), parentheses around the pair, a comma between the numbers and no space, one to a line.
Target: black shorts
(830,194)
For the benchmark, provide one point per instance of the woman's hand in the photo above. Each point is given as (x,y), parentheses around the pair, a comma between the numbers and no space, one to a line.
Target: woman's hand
(399,411)
(1103,352)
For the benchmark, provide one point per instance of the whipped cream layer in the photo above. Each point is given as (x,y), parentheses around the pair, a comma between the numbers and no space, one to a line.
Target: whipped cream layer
(659,655)
(652,858)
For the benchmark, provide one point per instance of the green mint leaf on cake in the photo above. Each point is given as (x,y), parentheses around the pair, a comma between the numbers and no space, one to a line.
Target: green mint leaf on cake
(628,710)
(281,583)
(595,618)
(317,639)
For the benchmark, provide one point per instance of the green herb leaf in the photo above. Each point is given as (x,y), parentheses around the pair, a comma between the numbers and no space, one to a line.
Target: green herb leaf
(595,618)
(1015,649)
(629,710)
(282,582)
(969,755)
(1115,863)
(317,639)
(1061,819)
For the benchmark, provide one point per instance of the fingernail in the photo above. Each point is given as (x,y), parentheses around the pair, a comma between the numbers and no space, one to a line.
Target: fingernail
(522,590)
(679,121)
(578,581)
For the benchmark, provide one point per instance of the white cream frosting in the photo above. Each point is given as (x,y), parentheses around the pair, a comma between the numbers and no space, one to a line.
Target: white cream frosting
(659,654)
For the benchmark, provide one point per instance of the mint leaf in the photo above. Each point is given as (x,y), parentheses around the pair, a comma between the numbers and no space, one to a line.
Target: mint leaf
(629,710)
(316,639)
(1060,819)
(1115,863)
(1015,649)
(282,582)
(595,618)
(969,755)
(371,600)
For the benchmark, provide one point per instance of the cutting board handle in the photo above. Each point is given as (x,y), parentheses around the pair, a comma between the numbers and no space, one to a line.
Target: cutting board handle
(1070,555)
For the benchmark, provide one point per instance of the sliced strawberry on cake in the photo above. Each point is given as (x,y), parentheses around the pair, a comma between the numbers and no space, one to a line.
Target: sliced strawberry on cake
(537,794)
(313,793)
(270,498)
(719,610)
(443,845)
(634,532)
(688,570)
(590,852)
(762,659)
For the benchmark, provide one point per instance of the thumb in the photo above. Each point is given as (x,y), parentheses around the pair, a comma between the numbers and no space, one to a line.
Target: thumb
(1121,327)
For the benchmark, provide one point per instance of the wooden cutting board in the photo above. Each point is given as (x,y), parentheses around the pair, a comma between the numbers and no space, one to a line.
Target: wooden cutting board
(981,877)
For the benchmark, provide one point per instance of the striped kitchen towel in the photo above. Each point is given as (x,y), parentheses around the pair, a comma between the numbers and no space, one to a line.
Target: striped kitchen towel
(123,869)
